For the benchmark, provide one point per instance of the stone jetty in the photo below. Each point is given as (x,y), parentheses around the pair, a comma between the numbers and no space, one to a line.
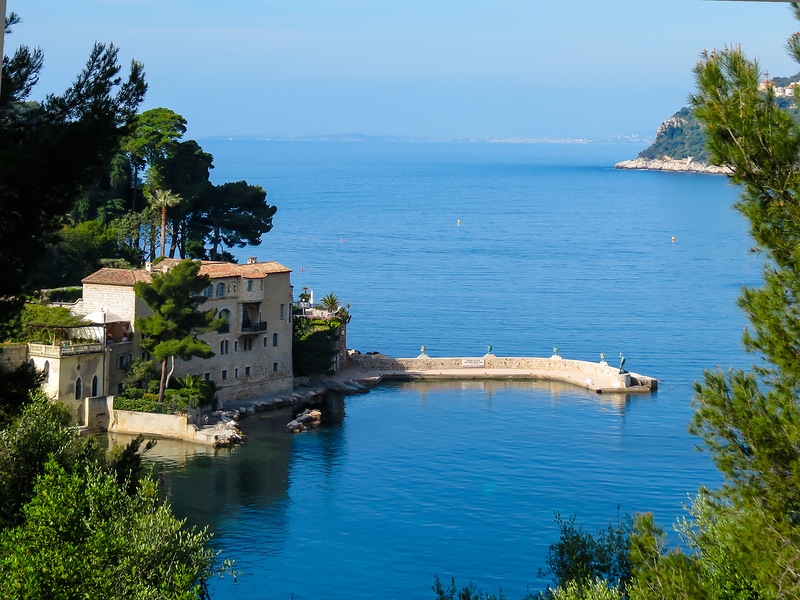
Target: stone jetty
(599,377)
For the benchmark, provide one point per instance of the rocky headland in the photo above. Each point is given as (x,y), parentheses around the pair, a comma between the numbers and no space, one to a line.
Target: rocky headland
(685,165)
(679,147)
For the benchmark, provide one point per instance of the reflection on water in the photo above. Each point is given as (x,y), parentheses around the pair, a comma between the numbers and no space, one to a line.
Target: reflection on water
(490,387)
(210,485)
(167,452)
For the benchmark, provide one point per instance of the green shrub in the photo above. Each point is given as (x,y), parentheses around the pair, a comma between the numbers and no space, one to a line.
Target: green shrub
(65,294)
(148,403)
(588,590)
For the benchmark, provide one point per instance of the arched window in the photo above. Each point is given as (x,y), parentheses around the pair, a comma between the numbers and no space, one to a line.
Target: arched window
(209,291)
(46,371)
(78,389)
(220,290)
(275,340)
(94,386)
(225,314)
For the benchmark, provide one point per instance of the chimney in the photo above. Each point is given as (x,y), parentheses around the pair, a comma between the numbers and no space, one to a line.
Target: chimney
(252,260)
(148,266)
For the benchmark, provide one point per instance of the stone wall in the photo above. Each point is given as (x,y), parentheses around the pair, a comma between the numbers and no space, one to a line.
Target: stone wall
(12,356)
(243,389)
(97,412)
(174,426)
(118,299)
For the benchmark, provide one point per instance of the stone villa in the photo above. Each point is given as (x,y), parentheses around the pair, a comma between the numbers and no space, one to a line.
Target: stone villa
(253,355)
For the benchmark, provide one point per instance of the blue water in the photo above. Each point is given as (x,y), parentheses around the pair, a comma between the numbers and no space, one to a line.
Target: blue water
(554,248)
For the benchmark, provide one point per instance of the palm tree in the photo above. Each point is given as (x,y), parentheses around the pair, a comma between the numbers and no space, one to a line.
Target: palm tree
(163,199)
(330,302)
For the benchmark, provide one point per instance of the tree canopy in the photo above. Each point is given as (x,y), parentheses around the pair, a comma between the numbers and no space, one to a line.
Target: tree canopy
(77,522)
(745,536)
(50,150)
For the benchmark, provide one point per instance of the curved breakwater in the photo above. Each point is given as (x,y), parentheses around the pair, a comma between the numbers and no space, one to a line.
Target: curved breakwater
(600,377)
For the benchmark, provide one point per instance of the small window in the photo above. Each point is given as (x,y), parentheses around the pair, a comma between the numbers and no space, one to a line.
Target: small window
(247,371)
(236,373)
(274,340)
(220,290)
(274,367)
(224,373)
(223,347)
(226,315)
(249,285)
(236,346)
(283,308)
(265,341)
(209,291)
(247,344)
(121,360)
(207,376)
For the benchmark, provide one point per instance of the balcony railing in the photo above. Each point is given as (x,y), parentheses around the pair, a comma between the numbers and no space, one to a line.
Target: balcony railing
(254,327)
(64,350)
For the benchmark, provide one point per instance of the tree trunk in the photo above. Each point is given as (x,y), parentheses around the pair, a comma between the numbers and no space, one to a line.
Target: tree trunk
(2,36)
(163,385)
(163,228)
(171,371)
(177,232)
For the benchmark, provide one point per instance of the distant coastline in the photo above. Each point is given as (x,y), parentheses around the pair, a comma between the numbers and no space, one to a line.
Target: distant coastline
(679,166)
(360,137)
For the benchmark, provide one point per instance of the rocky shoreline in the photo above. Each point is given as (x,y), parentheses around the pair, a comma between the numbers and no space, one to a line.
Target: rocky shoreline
(224,424)
(679,166)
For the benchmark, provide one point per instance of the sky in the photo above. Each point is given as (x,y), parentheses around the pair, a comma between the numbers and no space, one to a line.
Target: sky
(424,68)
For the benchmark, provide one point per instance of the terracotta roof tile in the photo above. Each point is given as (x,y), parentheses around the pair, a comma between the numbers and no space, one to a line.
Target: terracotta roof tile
(215,270)
(108,276)
(253,271)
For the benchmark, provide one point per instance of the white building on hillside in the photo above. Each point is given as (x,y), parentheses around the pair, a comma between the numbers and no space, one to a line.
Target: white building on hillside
(253,355)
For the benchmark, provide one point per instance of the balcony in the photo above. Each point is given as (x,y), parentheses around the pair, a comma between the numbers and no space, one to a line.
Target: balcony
(64,350)
(254,327)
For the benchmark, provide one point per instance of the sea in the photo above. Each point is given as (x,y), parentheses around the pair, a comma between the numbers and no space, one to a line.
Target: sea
(458,246)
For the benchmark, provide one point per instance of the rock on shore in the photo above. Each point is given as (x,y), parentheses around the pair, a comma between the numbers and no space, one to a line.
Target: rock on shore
(309,418)
(681,166)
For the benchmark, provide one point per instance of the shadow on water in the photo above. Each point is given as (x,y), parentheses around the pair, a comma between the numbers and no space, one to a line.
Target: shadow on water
(211,486)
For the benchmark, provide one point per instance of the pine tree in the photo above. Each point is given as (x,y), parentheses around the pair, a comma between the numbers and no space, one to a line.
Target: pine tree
(170,331)
(746,534)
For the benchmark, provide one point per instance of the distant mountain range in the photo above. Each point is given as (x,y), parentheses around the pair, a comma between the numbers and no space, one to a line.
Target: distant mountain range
(680,144)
